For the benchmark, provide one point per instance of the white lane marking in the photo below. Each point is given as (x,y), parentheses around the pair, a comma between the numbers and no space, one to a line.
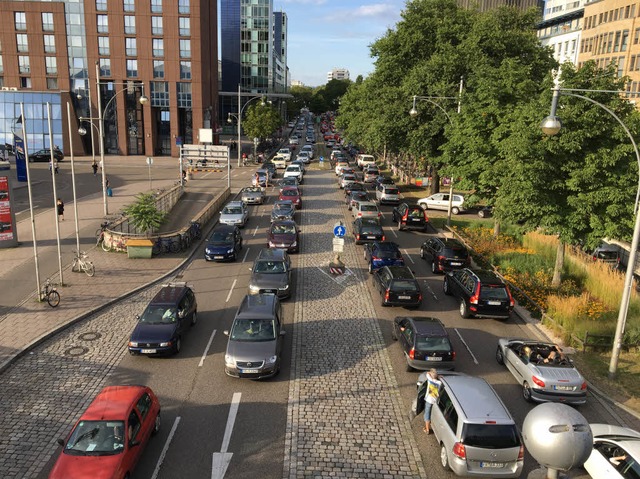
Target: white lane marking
(409,256)
(426,285)
(220,460)
(233,412)
(231,290)
(255,231)
(394,232)
(245,255)
(165,448)
(206,350)
(465,345)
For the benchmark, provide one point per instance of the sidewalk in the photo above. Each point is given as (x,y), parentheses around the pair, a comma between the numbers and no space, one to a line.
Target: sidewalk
(30,322)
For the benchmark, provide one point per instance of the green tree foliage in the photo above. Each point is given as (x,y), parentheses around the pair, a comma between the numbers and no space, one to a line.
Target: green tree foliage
(261,120)
(144,214)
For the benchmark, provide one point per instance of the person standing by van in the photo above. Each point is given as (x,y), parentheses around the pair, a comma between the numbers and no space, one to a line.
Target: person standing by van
(431,397)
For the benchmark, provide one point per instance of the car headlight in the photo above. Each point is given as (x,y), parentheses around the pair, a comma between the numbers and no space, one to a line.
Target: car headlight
(271,360)
(166,344)
(294,244)
(254,289)
(229,251)
(284,288)
(272,244)
(228,361)
(133,344)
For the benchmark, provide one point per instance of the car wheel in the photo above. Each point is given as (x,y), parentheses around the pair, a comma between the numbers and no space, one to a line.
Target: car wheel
(240,244)
(464,309)
(194,318)
(156,425)
(234,256)
(445,287)
(364,253)
(178,346)
(423,206)
(409,367)
(526,392)
(370,268)
(455,210)
(422,255)
(434,270)
(499,355)
(444,459)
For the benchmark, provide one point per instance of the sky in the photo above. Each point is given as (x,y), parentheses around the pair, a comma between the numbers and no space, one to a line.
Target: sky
(327,34)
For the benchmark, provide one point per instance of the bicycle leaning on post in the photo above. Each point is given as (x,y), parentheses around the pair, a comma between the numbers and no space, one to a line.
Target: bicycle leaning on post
(81,263)
(50,294)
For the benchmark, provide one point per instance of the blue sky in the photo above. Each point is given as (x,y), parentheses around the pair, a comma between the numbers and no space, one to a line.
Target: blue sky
(327,34)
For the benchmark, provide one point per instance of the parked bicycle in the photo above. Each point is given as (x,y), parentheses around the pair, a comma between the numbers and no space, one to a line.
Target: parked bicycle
(166,245)
(195,231)
(81,263)
(50,294)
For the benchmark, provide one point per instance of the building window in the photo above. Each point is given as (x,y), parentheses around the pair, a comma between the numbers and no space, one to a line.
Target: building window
(23,64)
(156,25)
(1,65)
(47,21)
(25,82)
(620,67)
(105,67)
(1,82)
(185,70)
(103,46)
(129,24)
(185,48)
(101,5)
(132,68)
(51,65)
(52,83)
(129,5)
(159,94)
(21,42)
(156,6)
(183,7)
(185,27)
(103,23)
(158,68)
(20,20)
(158,47)
(625,40)
(130,47)
(184,95)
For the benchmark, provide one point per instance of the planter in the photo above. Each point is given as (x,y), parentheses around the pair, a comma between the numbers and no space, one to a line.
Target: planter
(139,248)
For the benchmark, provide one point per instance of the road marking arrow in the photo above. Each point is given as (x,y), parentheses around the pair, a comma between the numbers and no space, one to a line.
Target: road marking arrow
(220,461)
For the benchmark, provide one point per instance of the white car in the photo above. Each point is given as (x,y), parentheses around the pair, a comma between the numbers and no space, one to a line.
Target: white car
(308,149)
(440,201)
(365,160)
(615,454)
(304,157)
(280,162)
(365,209)
(284,153)
(294,140)
(234,213)
(295,171)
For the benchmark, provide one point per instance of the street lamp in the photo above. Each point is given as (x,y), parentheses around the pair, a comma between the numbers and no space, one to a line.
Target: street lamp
(238,117)
(551,125)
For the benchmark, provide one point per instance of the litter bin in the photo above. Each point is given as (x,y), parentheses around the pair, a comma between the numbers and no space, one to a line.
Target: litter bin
(109,191)
(139,248)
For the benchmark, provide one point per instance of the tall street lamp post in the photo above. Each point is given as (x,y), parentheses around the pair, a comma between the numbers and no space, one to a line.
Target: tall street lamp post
(238,117)
(551,125)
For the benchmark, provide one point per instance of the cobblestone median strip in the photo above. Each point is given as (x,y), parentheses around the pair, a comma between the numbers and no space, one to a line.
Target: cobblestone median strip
(43,392)
(345,415)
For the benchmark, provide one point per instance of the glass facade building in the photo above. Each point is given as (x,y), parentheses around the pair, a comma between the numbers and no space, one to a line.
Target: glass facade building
(35,117)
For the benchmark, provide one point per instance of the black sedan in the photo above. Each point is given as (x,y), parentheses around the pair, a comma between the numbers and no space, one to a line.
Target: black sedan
(45,155)
(397,286)
(224,244)
(424,342)
(367,230)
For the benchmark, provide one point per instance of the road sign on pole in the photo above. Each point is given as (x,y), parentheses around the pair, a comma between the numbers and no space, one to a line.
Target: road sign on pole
(338,245)
(339,230)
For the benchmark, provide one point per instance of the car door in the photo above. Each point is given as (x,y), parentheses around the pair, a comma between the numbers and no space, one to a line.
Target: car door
(456,281)
(384,277)
(184,313)
(433,248)
(134,443)
(143,408)
(444,420)
(599,463)
(407,337)
(514,360)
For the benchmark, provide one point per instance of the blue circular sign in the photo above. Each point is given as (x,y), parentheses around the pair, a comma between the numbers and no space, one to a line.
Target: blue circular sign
(339,231)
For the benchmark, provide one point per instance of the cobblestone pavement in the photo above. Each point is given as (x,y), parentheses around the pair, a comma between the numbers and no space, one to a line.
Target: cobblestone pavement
(36,404)
(344,414)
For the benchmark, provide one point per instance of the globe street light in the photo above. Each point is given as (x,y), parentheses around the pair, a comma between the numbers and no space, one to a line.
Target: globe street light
(551,125)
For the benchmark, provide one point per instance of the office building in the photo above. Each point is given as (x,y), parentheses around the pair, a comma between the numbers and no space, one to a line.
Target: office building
(338,74)
(561,28)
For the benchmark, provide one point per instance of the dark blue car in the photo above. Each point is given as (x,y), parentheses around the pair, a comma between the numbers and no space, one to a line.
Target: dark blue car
(224,244)
(382,253)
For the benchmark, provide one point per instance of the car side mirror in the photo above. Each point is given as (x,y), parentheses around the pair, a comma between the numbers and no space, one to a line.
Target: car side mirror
(134,443)
(138,317)
(226,332)
(181,314)
(60,441)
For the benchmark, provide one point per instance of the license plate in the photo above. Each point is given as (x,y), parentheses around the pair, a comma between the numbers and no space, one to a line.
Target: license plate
(434,358)
(250,371)
(404,297)
(270,291)
(456,264)
(494,303)
(218,257)
(492,464)
(415,219)
(563,388)
(148,351)
(371,237)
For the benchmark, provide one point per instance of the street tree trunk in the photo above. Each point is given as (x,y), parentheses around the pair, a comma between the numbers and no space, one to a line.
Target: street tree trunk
(557,271)
(496,228)
(435,182)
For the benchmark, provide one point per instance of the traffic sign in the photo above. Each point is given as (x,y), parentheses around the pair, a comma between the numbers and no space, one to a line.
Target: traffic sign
(338,245)
(339,230)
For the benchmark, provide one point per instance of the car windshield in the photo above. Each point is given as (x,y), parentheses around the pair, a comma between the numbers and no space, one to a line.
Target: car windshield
(371,230)
(364,207)
(252,190)
(405,285)
(159,314)
(493,292)
(270,267)
(607,255)
(283,229)
(253,330)
(391,191)
(232,210)
(219,237)
(430,343)
(289,193)
(294,168)
(457,252)
(490,436)
(96,438)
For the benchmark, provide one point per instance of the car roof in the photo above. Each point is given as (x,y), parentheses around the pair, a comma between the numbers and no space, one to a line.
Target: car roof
(426,326)
(386,245)
(235,203)
(257,306)
(477,399)
(283,202)
(400,272)
(284,222)
(224,228)
(113,402)
(450,242)
(268,254)
(486,276)
(169,294)
(609,431)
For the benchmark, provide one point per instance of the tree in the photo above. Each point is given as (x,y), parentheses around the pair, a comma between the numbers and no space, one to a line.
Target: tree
(144,214)
(261,120)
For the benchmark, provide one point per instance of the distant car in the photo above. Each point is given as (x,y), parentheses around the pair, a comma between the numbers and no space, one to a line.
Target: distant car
(445,254)
(252,195)
(271,168)
(224,244)
(284,234)
(4,164)
(387,194)
(615,453)
(440,201)
(283,210)
(357,186)
(292,194)
(397,286)
(340,164)
(290,181)
(45,155)
(111,434)
(234,213)
(382,253)
(356,197)
(294,171)
(308,149)
(383,180)
(409,215)
(365,160)
(365,209)
(370,174)
(347,179)
(294,140)
(260,178)
(607,254)
(481,293)
(424,342)
(485,212)
(271,273)
(284,153)
(304,157)
(169,315)
(542,379)
(367,230)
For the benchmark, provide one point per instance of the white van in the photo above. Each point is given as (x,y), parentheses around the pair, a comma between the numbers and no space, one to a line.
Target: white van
(365,160)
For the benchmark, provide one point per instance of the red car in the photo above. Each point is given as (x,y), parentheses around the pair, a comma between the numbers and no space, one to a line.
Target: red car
(109,437)
(291,193)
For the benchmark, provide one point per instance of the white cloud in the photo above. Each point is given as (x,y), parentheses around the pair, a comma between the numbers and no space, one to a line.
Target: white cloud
(388,12)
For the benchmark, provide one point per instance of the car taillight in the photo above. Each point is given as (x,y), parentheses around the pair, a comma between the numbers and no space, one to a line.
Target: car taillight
(453,354)
(386,295)
(379,214)
(512,303)
(476,295)
(420,297)
(404,217)
(537,381)
(521,453)
(459,450)
(357,237)
(359,214)
(412,353)
(382,237)
(374,258)
(584,386)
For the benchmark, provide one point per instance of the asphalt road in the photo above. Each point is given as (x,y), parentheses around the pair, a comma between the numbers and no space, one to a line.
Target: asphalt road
(196,394)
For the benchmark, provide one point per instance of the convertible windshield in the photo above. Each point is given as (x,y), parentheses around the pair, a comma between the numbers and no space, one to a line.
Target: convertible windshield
(270,267)
(159,315)
(253,330)
(96,438)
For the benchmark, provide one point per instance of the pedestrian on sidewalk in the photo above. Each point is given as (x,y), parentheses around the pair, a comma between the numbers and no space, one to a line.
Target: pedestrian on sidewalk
(431,397)
(94,166)
(60,208)
(107,187)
